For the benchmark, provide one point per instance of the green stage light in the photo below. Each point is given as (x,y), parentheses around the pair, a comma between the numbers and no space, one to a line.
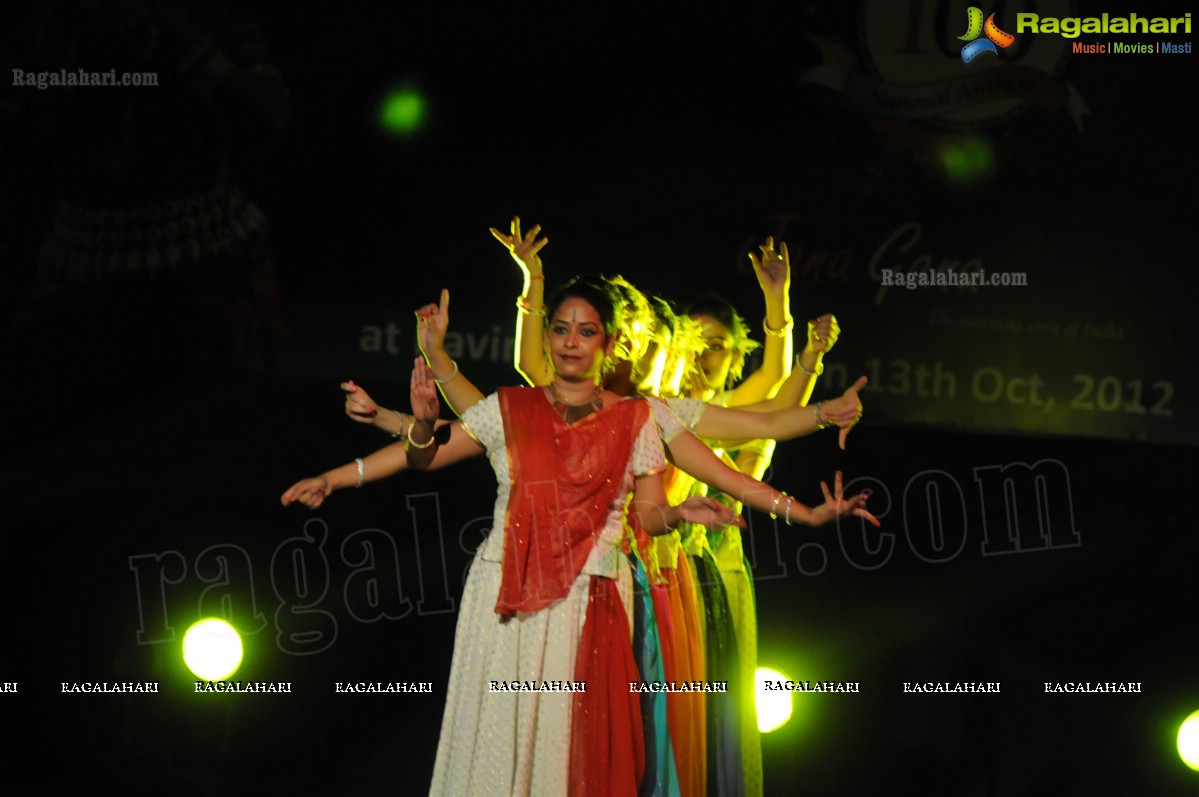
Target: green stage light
(774,706)
(967,160)
(1188,741)
(402,112)
(212,649)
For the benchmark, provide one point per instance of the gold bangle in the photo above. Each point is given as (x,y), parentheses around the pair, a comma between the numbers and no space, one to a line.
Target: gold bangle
(523,306)
(412,443)
(782,331)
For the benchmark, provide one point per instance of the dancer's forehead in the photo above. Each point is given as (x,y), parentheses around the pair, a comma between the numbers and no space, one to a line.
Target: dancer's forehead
(714,328)
(577,311)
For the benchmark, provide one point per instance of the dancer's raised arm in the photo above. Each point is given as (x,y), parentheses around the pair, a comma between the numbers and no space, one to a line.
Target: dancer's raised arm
(797,387)
(530,360)
(427,449)
(432,321)
(773,270)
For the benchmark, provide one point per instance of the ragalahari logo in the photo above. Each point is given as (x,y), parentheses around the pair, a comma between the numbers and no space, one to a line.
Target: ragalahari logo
(976,27)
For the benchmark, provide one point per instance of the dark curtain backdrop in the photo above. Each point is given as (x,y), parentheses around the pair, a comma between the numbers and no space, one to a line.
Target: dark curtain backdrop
(1030,448)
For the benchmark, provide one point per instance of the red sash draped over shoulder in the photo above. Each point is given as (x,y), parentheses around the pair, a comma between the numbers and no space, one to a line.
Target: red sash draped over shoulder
(565,480)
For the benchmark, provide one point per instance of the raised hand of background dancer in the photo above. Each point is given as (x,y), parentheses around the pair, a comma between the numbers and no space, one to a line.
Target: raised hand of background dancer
(309,492)
(523,248)
(432,321)
(425,404)
(822,333)
(845,410)
(836,505)
(772,268)
(359,405)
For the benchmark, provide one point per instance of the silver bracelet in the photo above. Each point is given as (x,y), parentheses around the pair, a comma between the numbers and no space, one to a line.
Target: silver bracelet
(821,421)
(819,365)
(361,472)
(399,433)
(787,517)
(448,378)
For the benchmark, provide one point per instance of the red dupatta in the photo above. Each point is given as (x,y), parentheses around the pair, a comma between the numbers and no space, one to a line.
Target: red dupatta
(564,480)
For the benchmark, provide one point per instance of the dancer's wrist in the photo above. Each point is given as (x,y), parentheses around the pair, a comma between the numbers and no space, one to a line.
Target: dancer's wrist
(420,434)
(390,421)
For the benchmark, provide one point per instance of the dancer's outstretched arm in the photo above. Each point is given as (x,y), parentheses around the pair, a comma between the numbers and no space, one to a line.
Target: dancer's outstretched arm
(689,454)
(658,516)
(313,491)
(733,426)
(387,461)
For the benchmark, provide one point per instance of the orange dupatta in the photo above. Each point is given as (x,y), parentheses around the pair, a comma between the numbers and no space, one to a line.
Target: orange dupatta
(564,482)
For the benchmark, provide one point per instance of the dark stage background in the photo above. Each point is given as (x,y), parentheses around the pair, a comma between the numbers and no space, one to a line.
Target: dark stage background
(1031,448)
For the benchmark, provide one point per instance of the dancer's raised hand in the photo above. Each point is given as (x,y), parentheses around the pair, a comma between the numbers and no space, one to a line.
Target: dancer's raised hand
(432,322)
(523,248)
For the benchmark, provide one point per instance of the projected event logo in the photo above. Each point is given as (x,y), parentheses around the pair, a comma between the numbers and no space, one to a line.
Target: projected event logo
(995,38)
(909,64)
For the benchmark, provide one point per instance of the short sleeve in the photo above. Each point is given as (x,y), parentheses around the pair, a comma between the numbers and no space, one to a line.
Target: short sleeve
(669,425)
(687,410)
(648,456)
(484,423)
